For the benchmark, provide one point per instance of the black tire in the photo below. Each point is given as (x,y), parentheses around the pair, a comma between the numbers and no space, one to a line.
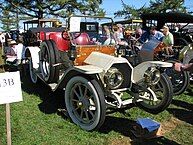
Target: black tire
(163,91)
(87,112)
(181,42)
(180,80)
(49,57)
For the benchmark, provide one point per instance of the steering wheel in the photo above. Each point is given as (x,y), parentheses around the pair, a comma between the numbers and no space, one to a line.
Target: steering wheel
(76,35)
(63,35)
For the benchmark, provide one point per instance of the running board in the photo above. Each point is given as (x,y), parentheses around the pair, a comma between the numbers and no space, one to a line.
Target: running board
(51,85)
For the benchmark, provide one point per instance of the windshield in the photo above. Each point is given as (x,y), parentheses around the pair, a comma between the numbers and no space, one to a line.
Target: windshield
(91,31)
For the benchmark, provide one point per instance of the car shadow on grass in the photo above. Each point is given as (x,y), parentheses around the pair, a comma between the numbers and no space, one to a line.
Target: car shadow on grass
(51,101)
(184,113)
(125,126)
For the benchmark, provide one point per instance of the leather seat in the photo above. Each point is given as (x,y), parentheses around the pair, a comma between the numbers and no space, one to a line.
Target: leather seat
(83,39)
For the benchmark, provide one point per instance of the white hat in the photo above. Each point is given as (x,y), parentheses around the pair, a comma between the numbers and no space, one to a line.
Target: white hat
(164,28)
(12,42)
(119,25)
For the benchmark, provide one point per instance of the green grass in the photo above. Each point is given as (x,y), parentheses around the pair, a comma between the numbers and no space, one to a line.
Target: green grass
(36,121)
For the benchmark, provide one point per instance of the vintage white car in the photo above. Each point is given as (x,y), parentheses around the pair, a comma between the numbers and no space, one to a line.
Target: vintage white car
(93,76)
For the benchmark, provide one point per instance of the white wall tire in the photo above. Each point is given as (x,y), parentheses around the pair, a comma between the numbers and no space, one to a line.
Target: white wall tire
(33,76)
(85,103)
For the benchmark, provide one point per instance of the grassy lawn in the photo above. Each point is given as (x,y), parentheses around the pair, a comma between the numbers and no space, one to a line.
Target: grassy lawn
(37,121)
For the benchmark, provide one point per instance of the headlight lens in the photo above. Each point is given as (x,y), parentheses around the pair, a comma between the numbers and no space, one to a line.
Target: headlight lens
(113,78)
(152,76)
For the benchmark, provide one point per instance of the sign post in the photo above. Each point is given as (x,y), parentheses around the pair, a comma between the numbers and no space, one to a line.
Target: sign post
(8,121)
(10,89)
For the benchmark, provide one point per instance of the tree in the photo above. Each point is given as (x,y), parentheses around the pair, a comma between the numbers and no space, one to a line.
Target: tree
(156,6)
(58,8)
(130,12)
(163,6)
(8,20)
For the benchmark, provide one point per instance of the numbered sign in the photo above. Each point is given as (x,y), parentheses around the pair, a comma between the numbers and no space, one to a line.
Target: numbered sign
(10,87)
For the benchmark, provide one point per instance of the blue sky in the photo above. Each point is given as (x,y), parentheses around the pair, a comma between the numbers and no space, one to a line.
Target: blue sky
(111,6)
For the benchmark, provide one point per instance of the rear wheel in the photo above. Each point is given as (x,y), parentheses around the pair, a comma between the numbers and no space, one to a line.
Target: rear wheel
(85,103)
(181,42)
(49,57)
(158,97)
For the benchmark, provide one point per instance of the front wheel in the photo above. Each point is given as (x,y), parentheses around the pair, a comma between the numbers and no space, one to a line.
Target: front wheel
(85,103)
(158,97)
(180,80)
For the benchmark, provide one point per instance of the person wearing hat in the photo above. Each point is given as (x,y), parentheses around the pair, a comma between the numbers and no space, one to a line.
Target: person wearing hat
(10,51)
(168,40)
(118,35)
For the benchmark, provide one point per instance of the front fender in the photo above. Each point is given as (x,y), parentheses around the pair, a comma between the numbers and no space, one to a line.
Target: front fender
(139,70)
(186,54)
(87,71)
(105,61)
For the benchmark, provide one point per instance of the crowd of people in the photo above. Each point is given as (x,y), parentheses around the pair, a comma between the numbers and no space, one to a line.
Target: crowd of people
(13,48)
(122,36)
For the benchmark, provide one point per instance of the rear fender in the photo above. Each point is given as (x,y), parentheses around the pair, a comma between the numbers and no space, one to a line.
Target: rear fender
(33,53)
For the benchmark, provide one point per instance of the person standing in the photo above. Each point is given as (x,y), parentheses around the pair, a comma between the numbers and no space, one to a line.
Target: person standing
(168,40)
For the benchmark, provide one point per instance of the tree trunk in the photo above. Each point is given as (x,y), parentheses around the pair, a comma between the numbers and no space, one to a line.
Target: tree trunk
(17,20)
(40,14)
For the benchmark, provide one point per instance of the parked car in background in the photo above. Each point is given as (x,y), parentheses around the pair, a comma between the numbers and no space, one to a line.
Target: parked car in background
(180,24)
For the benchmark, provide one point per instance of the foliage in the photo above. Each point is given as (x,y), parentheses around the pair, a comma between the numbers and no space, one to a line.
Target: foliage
(156,6)
(130,11)
(8,20)
(57,8)
(162,6)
